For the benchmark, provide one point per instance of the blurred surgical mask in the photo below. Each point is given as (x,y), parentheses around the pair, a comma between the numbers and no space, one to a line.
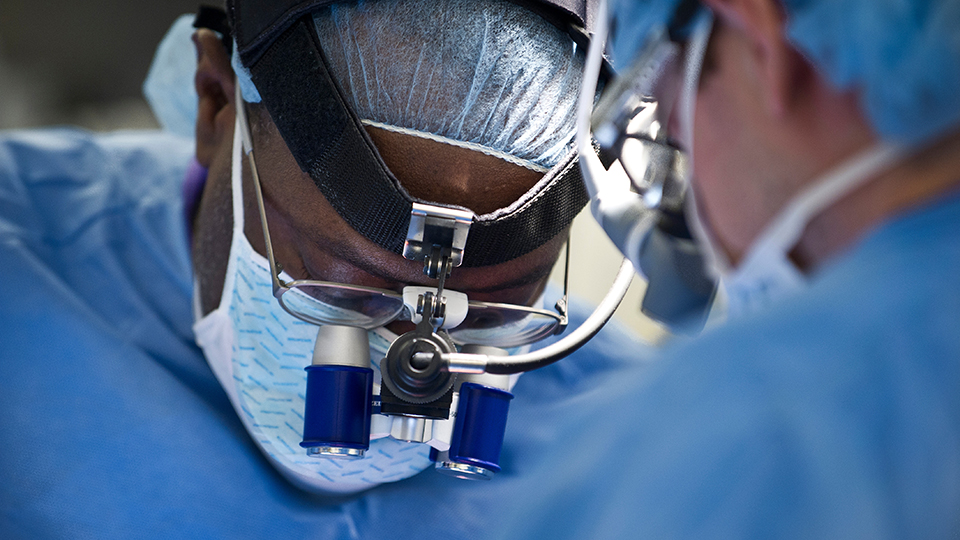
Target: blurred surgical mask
(169,88)
(767,274)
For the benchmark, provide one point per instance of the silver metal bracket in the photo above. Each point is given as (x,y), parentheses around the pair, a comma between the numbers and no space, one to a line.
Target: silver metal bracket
(437,236)
(432,307)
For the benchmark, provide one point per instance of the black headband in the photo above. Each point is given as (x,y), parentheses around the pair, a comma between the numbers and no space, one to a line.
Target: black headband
(278,43)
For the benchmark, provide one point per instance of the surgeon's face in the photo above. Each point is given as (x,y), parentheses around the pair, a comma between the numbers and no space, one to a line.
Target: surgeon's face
(759,124)
(730,159)
(311,241)
(309,238)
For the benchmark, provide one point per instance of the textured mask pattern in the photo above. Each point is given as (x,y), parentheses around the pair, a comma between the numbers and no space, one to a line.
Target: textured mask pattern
(272,348)
(258,352)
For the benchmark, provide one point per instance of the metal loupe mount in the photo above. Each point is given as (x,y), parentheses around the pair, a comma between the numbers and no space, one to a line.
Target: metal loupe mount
(415,382)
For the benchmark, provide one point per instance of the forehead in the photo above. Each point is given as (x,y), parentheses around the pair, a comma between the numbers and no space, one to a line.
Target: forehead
(430,170)
(434,171)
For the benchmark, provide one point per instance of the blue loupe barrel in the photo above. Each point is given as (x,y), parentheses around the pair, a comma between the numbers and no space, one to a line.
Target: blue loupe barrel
(479,429)
(336,416)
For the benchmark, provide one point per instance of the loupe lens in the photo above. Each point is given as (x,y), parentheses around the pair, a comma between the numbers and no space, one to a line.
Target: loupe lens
(504,326)
(499,325)
(342,305)
(337,412)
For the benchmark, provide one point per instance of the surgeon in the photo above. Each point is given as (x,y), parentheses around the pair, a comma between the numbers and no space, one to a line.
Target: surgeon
(809,154)
(434,119)
(154,343)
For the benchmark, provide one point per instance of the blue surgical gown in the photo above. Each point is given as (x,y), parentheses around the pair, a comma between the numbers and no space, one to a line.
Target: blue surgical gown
(111,423)
(834,414)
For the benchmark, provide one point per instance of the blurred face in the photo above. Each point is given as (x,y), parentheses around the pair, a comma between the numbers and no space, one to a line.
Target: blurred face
(765,125)
(311,241)
(733,163)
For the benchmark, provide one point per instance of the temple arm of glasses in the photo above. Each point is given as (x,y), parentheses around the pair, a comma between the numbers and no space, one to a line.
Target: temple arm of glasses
(239,106)
(481,363)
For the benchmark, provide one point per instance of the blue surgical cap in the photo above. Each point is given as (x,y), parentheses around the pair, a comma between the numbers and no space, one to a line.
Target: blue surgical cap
(483,72)
(902,56)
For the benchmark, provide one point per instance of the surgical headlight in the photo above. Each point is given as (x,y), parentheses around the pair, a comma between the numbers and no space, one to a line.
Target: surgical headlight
(633,169)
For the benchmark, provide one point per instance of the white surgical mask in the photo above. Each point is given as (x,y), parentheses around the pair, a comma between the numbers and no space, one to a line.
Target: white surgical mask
(258,353)
(767,273)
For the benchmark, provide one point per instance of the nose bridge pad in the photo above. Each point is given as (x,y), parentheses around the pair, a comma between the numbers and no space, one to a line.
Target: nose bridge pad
(456,304)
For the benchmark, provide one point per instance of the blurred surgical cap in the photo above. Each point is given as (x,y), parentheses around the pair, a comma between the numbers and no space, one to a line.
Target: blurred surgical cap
(902,56)
(484,72)
(168,87)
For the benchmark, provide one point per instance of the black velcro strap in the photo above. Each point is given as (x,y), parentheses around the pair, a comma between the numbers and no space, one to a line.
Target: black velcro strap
(328,140)
(535,222)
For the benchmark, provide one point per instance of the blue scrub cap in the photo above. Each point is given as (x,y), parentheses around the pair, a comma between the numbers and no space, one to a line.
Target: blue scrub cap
(500,77)
(902,55)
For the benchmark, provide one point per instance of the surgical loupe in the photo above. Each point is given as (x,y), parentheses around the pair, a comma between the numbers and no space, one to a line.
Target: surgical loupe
(638,183)
(423,396)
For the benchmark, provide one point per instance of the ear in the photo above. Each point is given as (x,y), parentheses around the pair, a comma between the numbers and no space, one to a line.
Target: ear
(214,82)
(779,67)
